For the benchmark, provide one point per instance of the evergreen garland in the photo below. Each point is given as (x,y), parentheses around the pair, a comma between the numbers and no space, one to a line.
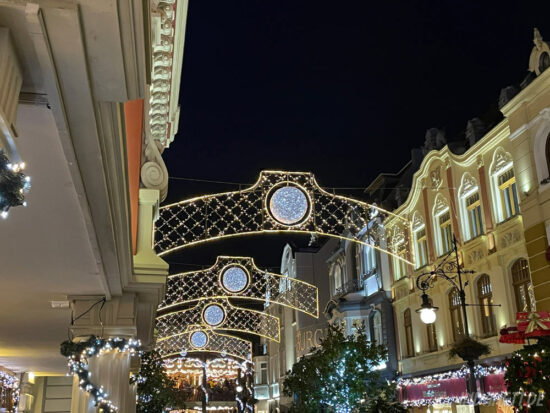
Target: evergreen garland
(528,377)
(13,185)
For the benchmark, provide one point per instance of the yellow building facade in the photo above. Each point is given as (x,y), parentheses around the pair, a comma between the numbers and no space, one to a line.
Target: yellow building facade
(493,199)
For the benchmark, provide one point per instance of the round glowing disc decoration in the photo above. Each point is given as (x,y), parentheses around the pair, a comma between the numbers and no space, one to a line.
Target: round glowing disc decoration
(199,339)
(235,279)
(288,205)
(214,315)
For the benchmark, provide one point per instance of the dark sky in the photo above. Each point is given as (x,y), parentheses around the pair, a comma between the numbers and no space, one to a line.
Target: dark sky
(342,89)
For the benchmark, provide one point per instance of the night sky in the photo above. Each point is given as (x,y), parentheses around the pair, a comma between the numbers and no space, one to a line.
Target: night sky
(342,89)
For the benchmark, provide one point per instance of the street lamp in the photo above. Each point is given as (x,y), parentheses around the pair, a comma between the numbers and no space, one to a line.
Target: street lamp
(449,270)
(427,310)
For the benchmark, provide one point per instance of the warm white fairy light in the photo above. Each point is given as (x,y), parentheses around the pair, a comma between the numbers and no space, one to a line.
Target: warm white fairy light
(288,205)
(235,279)
(214,315)
(301,206)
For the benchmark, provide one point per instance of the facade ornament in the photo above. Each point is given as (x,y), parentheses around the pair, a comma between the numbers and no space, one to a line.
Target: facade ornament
(154,174)
(468,184)
(423,183)
(440,204)
(510,238)
(475,255)
(417,221)
(480,161)
(501,160)
(435,178)
(539,60)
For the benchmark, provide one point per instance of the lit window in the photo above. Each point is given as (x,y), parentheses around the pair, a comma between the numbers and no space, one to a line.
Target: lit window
(432,337)
(475,220)
(446,232)
(485,295)
(456,315)
(508,194)
(263,373)
(400,266)
(523,289)
(372,284)
(421,248)
(376,327)
(337,278)
(409,348)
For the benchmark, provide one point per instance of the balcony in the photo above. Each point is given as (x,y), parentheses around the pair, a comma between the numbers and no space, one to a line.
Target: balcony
(349,287)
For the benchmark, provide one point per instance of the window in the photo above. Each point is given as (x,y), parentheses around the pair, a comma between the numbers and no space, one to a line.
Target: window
(367,258)
(263,373)
(400,266)
(337,278)
(372,284)
(409,344)
(376,327)
(508,194)
(421,248)
(475,220)
(523,290)
(432,337)
(485,296)
(456,315)
(445,231)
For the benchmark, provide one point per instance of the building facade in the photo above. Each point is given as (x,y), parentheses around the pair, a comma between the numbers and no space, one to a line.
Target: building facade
(487,192)
(88,101)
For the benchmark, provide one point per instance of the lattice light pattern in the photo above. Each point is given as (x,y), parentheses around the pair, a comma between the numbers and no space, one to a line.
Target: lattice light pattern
(278,202)
(223,344)
(225,317)
(238,277)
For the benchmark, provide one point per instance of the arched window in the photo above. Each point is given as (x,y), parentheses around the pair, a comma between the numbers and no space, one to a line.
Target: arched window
(470,207)
(505,194)
(376,327)
(399,248)
(337,274)
(485,296)
(523,291)
(442,223)
(432,337)
(409,343)
(456,315)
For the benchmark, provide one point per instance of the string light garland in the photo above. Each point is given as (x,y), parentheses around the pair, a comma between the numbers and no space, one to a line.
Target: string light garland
(14,184)
(208,314)
(10,383)
(279,201)
(461,373)
(240,278)
(79,354)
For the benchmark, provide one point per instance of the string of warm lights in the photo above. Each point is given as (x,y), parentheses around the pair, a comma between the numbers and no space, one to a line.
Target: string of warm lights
(462,372)
(14,184)
(239,277)
(278,202)
(80,353)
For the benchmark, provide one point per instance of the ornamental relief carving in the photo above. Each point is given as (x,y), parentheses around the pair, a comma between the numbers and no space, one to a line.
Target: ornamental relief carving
(435,178)
(510,238)
(475,256)
(469,184)
(501,159)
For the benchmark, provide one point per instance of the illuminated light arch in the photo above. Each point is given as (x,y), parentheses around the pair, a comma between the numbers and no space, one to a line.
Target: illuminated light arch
(238,319)
(261,286)
(267,207)
(223,344)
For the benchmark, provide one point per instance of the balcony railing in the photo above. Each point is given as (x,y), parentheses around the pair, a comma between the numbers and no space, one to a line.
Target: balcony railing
(348,287)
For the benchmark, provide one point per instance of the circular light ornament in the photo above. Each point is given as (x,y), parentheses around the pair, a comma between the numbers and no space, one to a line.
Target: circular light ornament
(199,339)
(235,279)
(214,315)
(288,205)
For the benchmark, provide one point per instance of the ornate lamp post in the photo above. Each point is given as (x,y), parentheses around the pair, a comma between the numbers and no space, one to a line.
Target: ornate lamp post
(449,269)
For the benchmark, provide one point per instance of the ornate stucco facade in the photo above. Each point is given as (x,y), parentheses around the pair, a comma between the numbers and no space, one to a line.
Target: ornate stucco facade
(488,192)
